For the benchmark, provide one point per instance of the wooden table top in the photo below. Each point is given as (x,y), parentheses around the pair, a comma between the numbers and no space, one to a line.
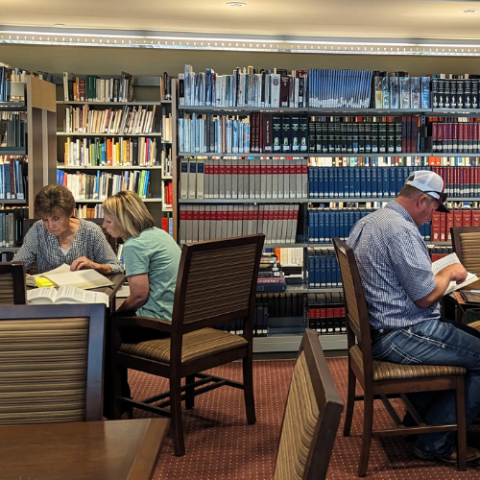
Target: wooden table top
(111,450)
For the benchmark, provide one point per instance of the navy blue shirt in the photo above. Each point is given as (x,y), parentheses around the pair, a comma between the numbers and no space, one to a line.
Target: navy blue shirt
(394,266)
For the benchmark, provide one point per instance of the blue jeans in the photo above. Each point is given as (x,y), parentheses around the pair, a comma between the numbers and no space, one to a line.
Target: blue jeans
(435,342)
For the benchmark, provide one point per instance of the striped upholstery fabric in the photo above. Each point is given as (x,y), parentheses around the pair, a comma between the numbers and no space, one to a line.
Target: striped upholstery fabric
(196,345)
(298,432)
(393,371)
(470,243)
(43,370)
(349,289)
(211,273)
(475,325)
(6,289)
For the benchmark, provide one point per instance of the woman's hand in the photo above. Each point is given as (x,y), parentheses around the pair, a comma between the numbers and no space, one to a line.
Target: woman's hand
(83,263)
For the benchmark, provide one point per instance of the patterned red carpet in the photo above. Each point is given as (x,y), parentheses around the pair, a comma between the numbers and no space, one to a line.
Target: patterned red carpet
(220,445)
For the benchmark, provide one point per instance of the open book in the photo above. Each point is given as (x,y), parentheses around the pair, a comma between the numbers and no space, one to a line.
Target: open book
(441,263)
(62,277)
(48,295)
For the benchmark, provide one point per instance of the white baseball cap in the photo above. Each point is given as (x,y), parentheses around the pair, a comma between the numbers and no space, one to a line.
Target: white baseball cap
(431,183)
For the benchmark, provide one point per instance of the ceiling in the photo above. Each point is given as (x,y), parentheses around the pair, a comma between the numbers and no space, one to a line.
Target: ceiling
(352,19)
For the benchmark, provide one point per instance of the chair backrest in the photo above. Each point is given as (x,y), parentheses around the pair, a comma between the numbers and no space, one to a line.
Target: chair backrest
(356,313)
(465,242)
(311,418)
(51,363)
(216,283)
(12,283)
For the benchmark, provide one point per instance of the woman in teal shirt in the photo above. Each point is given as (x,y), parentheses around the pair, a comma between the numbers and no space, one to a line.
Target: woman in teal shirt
(151,256)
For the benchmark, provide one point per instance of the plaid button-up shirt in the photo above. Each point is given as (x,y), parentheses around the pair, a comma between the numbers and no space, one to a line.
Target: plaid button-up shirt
(394,266)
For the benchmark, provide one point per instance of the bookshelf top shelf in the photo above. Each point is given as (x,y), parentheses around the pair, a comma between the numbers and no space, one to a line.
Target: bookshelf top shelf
(335,112)
(117,104)
(295,155)
(13,106)
(83,134)
(105,167)
(241,200)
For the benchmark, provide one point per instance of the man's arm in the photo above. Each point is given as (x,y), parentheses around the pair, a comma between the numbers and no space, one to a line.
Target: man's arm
(455,272)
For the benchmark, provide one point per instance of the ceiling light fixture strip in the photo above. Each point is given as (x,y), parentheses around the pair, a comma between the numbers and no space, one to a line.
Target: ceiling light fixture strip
(270,45)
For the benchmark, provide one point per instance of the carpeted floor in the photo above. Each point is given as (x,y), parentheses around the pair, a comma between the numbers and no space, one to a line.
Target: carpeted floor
(220,445)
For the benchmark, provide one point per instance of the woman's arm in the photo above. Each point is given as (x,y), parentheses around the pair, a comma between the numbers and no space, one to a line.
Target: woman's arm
(28,251)
(139,291)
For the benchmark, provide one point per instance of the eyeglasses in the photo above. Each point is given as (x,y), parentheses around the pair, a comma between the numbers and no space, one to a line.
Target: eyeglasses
(442,197)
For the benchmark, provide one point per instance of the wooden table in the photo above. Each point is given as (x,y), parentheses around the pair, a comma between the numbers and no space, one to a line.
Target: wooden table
(111,291)
(112,450)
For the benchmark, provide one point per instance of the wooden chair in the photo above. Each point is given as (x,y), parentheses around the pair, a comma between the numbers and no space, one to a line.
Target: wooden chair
(383,379)
(12,283)
(311,418)
(216,283)
(465,243)
(51,359)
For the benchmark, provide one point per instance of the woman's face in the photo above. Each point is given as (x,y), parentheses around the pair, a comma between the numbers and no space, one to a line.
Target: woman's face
(112,227)
(57,222)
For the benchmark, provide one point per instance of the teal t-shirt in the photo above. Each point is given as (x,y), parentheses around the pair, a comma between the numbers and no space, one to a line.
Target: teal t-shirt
(154,252)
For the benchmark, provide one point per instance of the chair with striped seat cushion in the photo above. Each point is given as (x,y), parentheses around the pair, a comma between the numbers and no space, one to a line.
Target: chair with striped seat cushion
(465,242)
(311,418)
(51,362)
(12,283)
(384,380)
(216,284)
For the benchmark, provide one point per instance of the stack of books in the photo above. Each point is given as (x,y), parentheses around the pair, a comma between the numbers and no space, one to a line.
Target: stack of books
(270,275)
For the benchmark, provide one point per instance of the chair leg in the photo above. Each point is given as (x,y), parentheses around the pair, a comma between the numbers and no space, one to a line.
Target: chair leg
(189,398)
(176,411)
(248,389)
(367,434)
(461,426)
(352,383)
(121,388)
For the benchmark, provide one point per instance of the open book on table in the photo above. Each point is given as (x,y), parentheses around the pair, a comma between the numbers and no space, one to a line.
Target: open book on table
(48,295)
(450,260)
(63,277)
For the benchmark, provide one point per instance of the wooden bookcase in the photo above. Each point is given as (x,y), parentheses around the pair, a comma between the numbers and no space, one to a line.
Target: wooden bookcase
(146,94)
(41,145)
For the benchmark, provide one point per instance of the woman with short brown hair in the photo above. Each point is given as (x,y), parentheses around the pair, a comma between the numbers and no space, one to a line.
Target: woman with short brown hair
(60,238)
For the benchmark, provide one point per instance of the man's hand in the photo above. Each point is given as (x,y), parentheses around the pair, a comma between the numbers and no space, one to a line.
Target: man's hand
(457,272)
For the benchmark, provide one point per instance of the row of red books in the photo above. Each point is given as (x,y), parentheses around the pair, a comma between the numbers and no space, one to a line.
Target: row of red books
(460,181)
(442,222)
(326,312)
(455,137)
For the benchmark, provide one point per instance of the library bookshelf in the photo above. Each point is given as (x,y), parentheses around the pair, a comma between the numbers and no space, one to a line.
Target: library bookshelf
(105,146)
(335,181)
(30,163)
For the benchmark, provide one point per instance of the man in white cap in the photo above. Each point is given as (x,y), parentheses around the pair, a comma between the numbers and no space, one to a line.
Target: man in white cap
(402,296)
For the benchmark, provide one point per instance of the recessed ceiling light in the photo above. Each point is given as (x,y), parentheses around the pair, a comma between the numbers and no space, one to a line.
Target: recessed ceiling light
(236,4)
(59,25)
(469,11)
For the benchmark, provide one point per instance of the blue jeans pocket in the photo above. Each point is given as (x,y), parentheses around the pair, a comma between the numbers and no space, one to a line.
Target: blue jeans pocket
(387,349)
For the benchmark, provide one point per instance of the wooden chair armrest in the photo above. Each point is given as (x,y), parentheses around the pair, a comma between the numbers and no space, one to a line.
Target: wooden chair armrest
(119,321)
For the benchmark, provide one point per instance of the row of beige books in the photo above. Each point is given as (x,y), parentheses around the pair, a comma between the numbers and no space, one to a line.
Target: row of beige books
(125,120)
(213,222)
(243,178)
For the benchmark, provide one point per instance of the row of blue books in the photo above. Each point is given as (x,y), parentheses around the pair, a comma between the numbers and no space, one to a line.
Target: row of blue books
(324,224)
(358,182)
(339,88)
(323,270)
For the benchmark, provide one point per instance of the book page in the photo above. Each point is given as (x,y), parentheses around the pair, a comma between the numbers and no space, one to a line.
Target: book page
(441,263)
(41,296)
(30,280)
(77,295)
(85,279)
